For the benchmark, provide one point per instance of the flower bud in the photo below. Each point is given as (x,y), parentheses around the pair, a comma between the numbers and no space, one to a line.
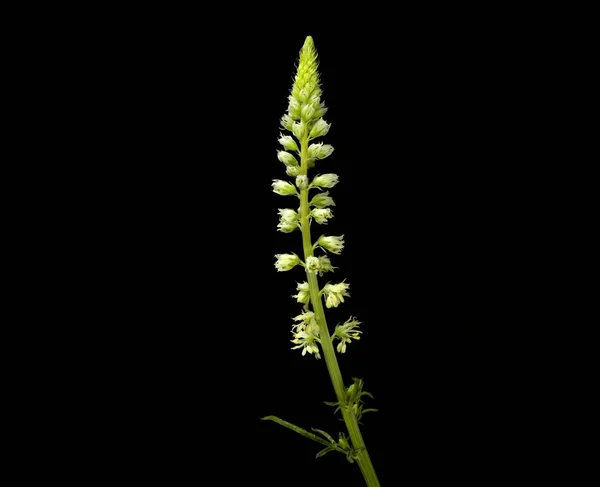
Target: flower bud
(287,158)
(303,295)
(343,442)
(303,94)
(288,220)
(299,129)
(286,262)
(321,200)
(292,171)
(283,187)
(322,110)
(320,150)
(321,215)
(319,129)
(294,108)
(287,122)
(288,142)
(335,245)
(307,112)
(325,181)
(302,181)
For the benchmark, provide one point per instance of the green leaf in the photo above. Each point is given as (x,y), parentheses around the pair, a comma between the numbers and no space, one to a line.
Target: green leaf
(329,403)
(325,434)
(324,451)
(297,429)
(369,410)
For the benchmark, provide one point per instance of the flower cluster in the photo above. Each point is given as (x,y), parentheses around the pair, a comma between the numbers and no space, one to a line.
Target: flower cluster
(319,265)
(304,119)
(346,332)
(306,334)
(335,293)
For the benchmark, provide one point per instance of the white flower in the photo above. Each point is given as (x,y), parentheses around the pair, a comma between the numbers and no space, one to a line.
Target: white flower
(302,181)
(312,263)
(335,293)
(286,262)
(288,221)
(320,264)
(307,322)
(321,200)
(287,158)
(346,332)
(305,317)
(335,245)
(303,295)
(320,128)
(321,215)
(319,151)
(325,265)
(308,343)
(325,181)
(283,187)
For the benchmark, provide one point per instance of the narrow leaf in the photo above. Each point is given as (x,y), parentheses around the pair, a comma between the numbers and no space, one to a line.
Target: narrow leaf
(369,410)
(325,434)
(297,429)
(324,451)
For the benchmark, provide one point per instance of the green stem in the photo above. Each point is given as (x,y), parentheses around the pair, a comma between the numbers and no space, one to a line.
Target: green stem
(363,460)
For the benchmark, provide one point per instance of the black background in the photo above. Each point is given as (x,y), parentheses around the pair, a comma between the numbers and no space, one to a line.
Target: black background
(189,323)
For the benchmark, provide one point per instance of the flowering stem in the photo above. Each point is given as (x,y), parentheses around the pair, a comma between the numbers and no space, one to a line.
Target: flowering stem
(363,459)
